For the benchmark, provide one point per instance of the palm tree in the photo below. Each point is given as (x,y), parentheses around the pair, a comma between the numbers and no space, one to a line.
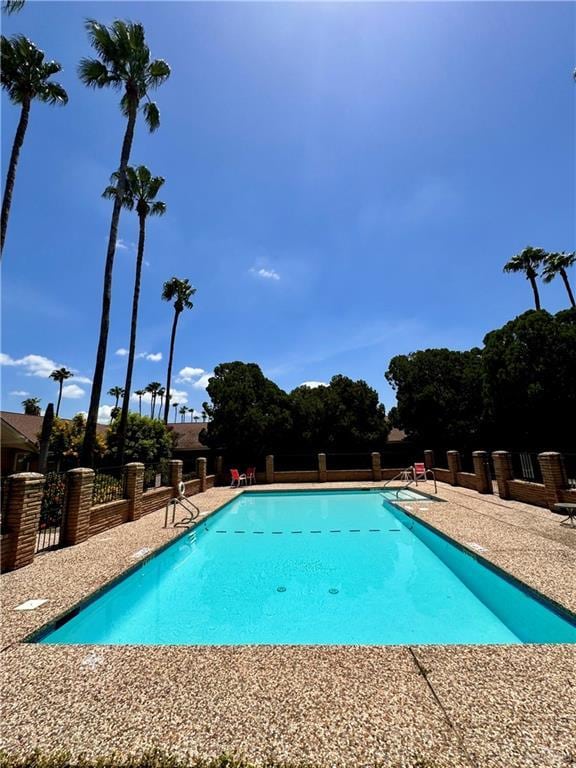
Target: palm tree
(12,6)
(140,189)
(175,406)
(161,393)
(196,418)
(153,388)
(557,264)
(116,392)
(139,394)
(123,63)
(26,76)
(31,406)
(60,375)
(183,410)
(191,412)
(181,291)
(528,261)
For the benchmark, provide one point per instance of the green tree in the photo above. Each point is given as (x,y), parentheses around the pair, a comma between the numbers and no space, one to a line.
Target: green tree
(31,406)
(140,191)
(117,393)
(60,375)
(140,394)
(439,396)
(529,386)
(528,261)
(557,264)
(66,440)
(179,291)
(154,389)
(250,415)
(147,440)
(183,411)
(124,63)
(175,406)
(25,77)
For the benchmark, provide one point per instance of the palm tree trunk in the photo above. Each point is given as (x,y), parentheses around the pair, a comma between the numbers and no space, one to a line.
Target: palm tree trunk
(170,359)
(11,174)
(568,288)
(86,456)
(152,405)
(140,405)
(59,399)
(536,294)
(132,348)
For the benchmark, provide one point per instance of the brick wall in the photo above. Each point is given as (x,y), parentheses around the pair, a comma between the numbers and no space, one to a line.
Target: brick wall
(358,475)
(156,498)
(529,493)
(466,480)
(108,515)
(296,477)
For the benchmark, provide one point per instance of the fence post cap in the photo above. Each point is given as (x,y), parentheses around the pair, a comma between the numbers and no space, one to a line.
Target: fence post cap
(546,454)
(175,461)
(136,464)
(27,476)
(500,453)
(80,471)
(479,453)
(453,451)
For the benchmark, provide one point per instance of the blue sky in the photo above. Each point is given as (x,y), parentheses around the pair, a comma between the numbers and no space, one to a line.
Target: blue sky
(344,183)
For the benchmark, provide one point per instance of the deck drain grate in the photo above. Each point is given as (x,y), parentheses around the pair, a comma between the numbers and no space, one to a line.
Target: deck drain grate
(333,591)
(280,589)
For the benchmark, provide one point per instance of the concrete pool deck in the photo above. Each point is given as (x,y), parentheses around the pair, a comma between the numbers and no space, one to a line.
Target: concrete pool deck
(484,706)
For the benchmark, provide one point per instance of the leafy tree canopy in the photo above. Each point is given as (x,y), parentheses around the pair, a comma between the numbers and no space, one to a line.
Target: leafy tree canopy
(147,440)
(250,415)
(66,440)
(439,394)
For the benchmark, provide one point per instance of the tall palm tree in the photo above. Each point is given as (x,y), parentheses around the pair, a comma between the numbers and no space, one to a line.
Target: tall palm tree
(140,189)
(161,394)
(181,292)
(153,388)
(139,394)
(60,375)
(528,261)
(116,392)
(175,406)
(123,63)
(31,406)
(191,412)
(12,6)
(557,264)
(25,76)
(183,410)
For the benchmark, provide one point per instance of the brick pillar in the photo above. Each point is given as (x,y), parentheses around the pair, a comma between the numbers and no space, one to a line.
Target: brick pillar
(134,480)
(504,473)
(482,472)
(201,472)
(219,469)
(175,474)
(79,489)
(454,465)
(21,518)
(554,476)
(376,466)
(429,459)
(269,469)
(322,476)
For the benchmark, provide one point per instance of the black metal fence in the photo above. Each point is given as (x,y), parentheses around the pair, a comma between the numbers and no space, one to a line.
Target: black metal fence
(189,476)
(526,467)
(570,464)
(51,511)
(156,475)
(109,485)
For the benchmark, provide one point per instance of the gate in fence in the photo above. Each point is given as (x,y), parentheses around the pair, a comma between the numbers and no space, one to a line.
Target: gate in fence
(52,512)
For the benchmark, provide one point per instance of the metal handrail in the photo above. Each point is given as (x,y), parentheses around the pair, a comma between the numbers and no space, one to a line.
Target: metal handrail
(189,506)
(405,473)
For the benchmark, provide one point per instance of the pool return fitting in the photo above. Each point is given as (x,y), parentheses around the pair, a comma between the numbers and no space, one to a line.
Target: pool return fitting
(191,509)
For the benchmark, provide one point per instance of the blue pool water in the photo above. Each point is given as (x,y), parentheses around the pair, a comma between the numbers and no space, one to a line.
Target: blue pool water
(310,567)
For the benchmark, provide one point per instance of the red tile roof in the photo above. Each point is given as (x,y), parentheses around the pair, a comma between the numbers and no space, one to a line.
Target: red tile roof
(188,436)
(31,426)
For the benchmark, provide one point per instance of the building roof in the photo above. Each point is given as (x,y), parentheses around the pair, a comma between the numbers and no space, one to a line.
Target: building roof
(24,429)
(188,436)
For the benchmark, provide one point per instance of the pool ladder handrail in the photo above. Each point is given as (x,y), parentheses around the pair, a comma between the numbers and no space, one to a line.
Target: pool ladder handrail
(410,475)
(188,505)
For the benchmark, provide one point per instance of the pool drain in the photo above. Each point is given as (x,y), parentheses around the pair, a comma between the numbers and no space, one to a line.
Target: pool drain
(333,591)
(280,589)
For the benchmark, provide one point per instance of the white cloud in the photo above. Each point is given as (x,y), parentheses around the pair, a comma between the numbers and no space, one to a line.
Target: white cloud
(125,245)
(19,393)
(265,274)
(72,391)
(187,374)
(314,384)
(121,352)
(202,382)
(82,379)
(154,357)
(105,414)
(180,396)
(34,365)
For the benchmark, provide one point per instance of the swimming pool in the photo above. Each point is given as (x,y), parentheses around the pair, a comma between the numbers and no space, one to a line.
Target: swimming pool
(314,567)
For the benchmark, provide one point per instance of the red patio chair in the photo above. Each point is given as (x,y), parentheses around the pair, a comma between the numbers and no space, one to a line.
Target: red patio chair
(236,479)
(251,475)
